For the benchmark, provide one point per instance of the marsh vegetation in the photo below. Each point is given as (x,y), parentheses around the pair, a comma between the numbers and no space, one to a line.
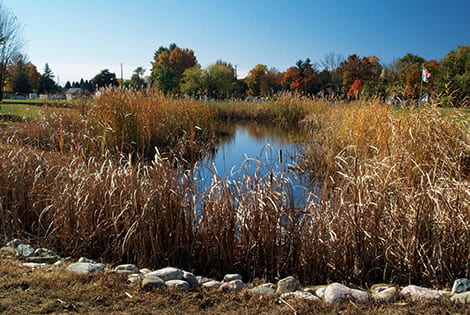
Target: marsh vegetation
(113,180)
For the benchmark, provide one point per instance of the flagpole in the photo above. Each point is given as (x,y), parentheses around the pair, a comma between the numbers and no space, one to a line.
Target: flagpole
(421,85)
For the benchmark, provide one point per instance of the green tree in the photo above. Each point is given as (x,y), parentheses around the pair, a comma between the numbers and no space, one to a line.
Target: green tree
(137,79)
(104,79)
(169,65)
(20,81)
(454,78)
(216,81)
(47,83)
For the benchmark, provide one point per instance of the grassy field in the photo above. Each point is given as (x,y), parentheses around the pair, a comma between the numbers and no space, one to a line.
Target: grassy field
(394,205)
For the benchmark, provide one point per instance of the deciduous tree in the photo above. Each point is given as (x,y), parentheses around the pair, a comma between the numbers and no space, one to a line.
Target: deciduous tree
(104,79)
(11,42)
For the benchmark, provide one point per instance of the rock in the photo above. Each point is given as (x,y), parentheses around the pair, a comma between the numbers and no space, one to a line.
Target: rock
(320,291)
(85,268)
(191,279)
(309,290)
(44,252)
(289,284)
(58,263)
(232,276)
(302,295)
(135,277)
(86,260)
(33,265)
(177,284)
(145,271)
(461,298)
(201,280)
(387,295)
(14,243)
(168,273)
(377,288)
(151,282)
(25,250)
(337,292)
(233,286)
(461,285)
(126,269)
(42,259)
(212,284)
(8,251)
(420,294)
(265,289)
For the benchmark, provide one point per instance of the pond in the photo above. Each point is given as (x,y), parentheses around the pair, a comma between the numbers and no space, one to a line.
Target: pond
(257,148)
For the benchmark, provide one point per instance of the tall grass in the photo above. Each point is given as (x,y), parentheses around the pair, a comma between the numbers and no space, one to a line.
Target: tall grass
(395,203)
(396,193)
(283,109)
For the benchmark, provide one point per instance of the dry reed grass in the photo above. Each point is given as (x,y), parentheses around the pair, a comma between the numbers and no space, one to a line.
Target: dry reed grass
(395,203)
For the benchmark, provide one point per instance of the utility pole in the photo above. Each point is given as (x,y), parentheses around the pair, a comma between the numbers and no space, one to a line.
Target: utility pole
(122,77)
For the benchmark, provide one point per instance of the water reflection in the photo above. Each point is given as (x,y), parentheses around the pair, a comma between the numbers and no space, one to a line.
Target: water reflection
(256,148)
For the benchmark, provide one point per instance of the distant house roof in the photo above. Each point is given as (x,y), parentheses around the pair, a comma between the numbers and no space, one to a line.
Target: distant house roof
(73,91)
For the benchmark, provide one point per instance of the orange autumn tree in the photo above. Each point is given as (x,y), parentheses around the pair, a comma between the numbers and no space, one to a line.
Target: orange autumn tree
(302,78)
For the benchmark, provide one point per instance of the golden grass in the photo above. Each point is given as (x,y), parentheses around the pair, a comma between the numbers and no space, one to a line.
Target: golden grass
(394,206)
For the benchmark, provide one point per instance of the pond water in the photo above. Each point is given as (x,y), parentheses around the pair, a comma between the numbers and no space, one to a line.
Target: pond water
(254,147)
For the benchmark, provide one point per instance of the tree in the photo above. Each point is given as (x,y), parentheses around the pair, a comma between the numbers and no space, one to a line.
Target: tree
(47,83)
(137,79)
(20,83)
(10,42)
(104,79)
(302,78)
(454,78)
(257,81)
(331,61)
(169,65)
(366,70)
(216,81)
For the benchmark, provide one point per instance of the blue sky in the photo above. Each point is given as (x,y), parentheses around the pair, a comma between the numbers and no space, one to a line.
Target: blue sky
(79,38)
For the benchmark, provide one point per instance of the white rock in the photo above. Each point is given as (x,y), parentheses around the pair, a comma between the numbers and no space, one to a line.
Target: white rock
(387,295)
(232,276)
(85,268)
(86,260)
(212,284)
(34,265)
(191,279)
(289,284)
(302,295)
(233,286)
(201,280)
(420,294)
(462,298)
(135,277)
(25,250)
(266,289)
(177,284)
(145,271)
(337,292)
(461,285)
(320,292)
(168,273)
(126,269)
(151,282)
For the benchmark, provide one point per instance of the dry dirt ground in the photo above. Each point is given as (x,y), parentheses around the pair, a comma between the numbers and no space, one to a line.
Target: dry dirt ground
(23,291)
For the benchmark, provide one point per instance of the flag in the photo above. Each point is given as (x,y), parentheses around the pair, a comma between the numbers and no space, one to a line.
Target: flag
(426,75)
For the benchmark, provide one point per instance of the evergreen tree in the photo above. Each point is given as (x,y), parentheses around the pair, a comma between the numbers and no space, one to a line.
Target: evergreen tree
(20,82)
(47,84)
